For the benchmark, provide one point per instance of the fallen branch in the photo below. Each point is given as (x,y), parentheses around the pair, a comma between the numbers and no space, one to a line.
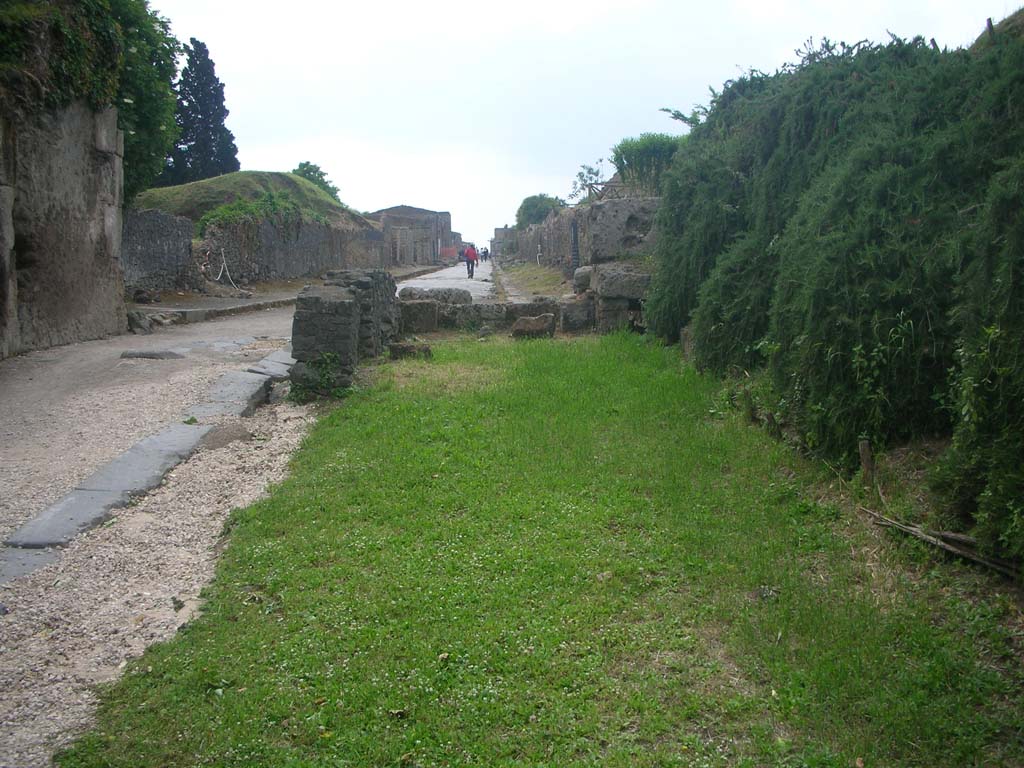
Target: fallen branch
(955,543)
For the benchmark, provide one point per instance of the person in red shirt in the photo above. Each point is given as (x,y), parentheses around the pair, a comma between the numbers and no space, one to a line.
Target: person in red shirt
(470,261)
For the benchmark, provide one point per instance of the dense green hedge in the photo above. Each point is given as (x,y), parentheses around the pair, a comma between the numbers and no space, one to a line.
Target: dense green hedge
(854,223)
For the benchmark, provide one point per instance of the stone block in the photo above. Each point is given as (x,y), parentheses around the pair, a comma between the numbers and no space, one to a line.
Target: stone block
(613,314)
(577,315)
(399,351)
(534,327)
(581,279)
(105,139)
(475,315)
(419,316)
(621,281)
(539,306)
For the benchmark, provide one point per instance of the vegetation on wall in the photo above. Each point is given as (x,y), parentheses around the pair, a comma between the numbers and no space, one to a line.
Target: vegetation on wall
(276,206)
(849,223)
(535,208)
(108,53)
(642,161)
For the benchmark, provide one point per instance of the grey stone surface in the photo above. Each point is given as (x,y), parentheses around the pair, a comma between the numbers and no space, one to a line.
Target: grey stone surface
(278,249)
(539,306)
(475,315)
(614,314)
(273,371)
(15,562)
(59,523)
(419,316)
(151,354)
(137,470)
(156,252)
(144,465)
(282,356)
(581,279)
(534,327)
(577,314)
(236,393)
(607,230)
(621,281)
(62,203)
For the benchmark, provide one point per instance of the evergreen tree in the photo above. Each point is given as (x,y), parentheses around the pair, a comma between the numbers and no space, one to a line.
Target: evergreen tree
(206,148)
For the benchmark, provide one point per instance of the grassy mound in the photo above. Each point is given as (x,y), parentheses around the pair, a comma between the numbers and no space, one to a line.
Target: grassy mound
(198,198)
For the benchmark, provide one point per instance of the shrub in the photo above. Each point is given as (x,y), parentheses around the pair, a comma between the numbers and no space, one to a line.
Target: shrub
(853,222)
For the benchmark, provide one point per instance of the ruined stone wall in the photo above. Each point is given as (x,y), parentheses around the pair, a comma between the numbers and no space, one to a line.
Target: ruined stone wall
(609,230)
(352,317)
(280,250)
(156,252)
(60,228)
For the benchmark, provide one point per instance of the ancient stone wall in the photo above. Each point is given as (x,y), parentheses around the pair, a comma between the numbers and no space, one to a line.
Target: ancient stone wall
(352,317)
(156,253)
(60,228)
(273,249)
(608,230)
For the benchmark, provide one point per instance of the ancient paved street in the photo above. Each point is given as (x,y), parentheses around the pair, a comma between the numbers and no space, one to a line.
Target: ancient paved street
(481,286)
(68,410)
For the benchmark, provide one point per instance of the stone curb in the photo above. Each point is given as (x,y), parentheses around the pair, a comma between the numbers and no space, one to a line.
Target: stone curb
(201,315)
(136,471)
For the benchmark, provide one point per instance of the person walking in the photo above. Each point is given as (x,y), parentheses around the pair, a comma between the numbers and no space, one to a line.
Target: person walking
(471,258)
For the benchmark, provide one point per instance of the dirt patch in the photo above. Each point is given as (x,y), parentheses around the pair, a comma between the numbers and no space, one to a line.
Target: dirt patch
(119,588)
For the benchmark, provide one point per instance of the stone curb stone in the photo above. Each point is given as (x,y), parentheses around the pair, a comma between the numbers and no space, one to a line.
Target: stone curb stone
(134,472)
(144,465)
(59,523)
(236,393)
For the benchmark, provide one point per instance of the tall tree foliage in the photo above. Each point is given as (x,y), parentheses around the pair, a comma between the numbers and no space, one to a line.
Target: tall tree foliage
(535,208)
(206,147)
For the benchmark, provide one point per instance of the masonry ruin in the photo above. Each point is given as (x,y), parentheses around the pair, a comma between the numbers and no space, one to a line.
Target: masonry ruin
(60,228)
(415,235)
(353,316)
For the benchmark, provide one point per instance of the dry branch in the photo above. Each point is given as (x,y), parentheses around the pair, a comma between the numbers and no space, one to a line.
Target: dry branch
(955,543)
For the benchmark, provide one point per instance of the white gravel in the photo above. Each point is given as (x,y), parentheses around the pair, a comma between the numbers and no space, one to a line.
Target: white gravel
(114,590)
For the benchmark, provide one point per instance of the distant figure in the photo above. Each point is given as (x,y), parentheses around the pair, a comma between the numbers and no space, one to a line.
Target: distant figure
(462,254)
(484,254)
(471,258)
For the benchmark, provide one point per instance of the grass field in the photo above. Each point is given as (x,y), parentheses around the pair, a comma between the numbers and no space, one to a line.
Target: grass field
(564,553)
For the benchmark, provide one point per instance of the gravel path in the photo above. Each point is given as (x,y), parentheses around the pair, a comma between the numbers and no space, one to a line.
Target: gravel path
(64,412)
(125,585)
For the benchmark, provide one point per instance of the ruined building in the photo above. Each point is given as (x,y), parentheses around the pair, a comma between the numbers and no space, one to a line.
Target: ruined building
(414,235)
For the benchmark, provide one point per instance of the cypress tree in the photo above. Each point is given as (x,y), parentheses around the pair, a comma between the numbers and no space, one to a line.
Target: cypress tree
(206,148)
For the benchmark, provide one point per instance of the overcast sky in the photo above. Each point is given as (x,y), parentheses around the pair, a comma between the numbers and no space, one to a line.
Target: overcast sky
(469,107)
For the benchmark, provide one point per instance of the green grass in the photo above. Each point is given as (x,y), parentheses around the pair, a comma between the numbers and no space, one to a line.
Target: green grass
(198,198)
(560,554)
(538,280)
